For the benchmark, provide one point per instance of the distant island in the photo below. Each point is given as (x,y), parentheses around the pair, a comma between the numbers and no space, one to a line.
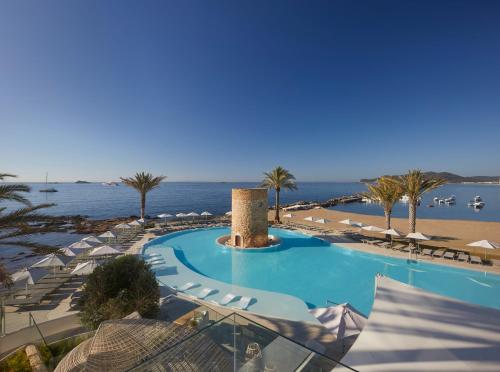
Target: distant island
(82,181)
(450,177)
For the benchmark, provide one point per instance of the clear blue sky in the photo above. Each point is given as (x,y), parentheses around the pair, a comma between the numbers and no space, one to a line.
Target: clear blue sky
(223,90)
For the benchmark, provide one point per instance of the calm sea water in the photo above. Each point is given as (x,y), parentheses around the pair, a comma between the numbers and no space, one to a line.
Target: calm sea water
(98,201)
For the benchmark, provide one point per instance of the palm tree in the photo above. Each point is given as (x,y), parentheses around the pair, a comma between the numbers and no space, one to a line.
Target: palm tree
(414,184)
(387,193)
(18,223)
(279,178)
(143,183)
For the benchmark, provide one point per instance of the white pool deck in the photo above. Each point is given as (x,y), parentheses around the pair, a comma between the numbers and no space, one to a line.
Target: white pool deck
(270,304)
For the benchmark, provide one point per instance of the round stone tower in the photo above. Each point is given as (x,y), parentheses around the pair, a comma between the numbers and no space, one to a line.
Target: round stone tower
(249,218)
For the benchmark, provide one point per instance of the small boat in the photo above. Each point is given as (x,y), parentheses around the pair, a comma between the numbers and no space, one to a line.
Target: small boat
(111,183)
(441,201)
(450,200)
(477,198)
(479,205)
(436,199)
(47,189)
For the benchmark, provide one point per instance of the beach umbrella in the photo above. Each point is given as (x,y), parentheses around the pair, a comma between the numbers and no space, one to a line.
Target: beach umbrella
(164,216)
(85,268)
(52,260)
(180,215)
(372,228)
(322,220)
(288,215)
(27,276)
(392,232)
(92,240)
(122,226)
(486,244)
(104,250)
(71,252)
(352,223)
(108,235)
(417,236)
(81,245)
(206,214)
(142,221)
(192,214)
(134,223)
(341,320)
(310,218)
(230,213)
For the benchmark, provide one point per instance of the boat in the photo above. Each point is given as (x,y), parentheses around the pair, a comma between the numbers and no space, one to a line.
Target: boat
(451,200)
(479,204)
(406,199)
(436,199)
(477,198)
(47,189)
(111,183)
(441,201)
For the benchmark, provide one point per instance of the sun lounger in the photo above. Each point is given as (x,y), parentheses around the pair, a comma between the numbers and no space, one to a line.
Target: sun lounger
(188,286)
(438,253)
(384,244)
(449,255)
(243,303)
(427,252)
(204,293)
(475,260)
(226,299)
(398,247)
(463,257)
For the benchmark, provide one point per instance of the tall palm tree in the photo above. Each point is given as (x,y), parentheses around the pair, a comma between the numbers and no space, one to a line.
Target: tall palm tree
(143,183)
(18,223)
(279,178)
(414,184)
(387,193)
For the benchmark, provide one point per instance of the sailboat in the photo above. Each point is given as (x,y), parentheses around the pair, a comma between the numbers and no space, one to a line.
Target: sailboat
(47,189)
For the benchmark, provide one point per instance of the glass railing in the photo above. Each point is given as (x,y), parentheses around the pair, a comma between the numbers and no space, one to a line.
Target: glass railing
(236,343)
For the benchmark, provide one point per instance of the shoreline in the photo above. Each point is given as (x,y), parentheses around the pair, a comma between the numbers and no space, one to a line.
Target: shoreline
(453,234)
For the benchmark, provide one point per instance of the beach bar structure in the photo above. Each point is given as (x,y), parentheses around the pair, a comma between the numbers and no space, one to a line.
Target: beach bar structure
(249,225)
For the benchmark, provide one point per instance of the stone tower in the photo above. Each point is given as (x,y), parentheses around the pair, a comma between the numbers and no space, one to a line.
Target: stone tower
(249,218)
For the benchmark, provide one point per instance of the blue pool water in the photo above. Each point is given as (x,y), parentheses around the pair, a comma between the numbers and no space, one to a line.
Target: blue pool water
(315,271)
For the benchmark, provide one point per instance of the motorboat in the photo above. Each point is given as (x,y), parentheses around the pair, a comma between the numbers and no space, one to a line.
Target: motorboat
(111,183)
(441,201)
(436,199)
(479,204)
(477,198)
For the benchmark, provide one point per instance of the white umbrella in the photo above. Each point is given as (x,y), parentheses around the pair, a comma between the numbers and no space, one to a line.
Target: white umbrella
(322,220)
(486,244)
(134,223)
(288,215)
(180,215)
(352,223)
(71,252)
(51,260)
(122,226)
(341,320)
(91,239)
(310,218)
(104,250)
(417,236)
(108,235)
(392,232)
(206,214)
(85,268)
(372,228)
(192,214)
(27,276)
(81,245)
(230,213)
(141,220)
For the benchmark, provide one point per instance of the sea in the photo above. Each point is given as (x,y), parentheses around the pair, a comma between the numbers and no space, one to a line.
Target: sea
(99,202)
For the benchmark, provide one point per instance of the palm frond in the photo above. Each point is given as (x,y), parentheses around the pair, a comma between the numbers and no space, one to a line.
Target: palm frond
(11,192)
(279,178)
(23,216)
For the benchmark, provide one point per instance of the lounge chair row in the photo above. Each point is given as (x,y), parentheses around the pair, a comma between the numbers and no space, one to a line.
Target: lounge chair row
(452,255)
(240,302)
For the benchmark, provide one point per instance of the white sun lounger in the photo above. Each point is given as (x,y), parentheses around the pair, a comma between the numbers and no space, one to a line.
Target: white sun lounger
(156,262)
(153,255)
(476,260)
(243,303)
(226,299)
(187,286)
(449,255)
(204,293)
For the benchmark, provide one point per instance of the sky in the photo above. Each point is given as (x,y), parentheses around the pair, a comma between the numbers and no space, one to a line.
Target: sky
(225,90)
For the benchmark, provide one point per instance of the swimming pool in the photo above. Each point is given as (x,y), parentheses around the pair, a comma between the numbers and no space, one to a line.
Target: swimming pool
(316,271)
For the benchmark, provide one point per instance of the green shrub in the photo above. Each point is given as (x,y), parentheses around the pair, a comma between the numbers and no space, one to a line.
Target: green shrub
(117,289)
(17,362)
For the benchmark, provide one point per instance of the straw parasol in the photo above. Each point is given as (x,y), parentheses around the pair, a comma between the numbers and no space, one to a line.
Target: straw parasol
(486,244)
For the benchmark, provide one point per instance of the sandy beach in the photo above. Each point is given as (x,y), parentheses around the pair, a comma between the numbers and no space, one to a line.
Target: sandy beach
(454,234)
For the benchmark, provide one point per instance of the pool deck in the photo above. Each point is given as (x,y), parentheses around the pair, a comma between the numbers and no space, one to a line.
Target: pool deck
(270,304)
